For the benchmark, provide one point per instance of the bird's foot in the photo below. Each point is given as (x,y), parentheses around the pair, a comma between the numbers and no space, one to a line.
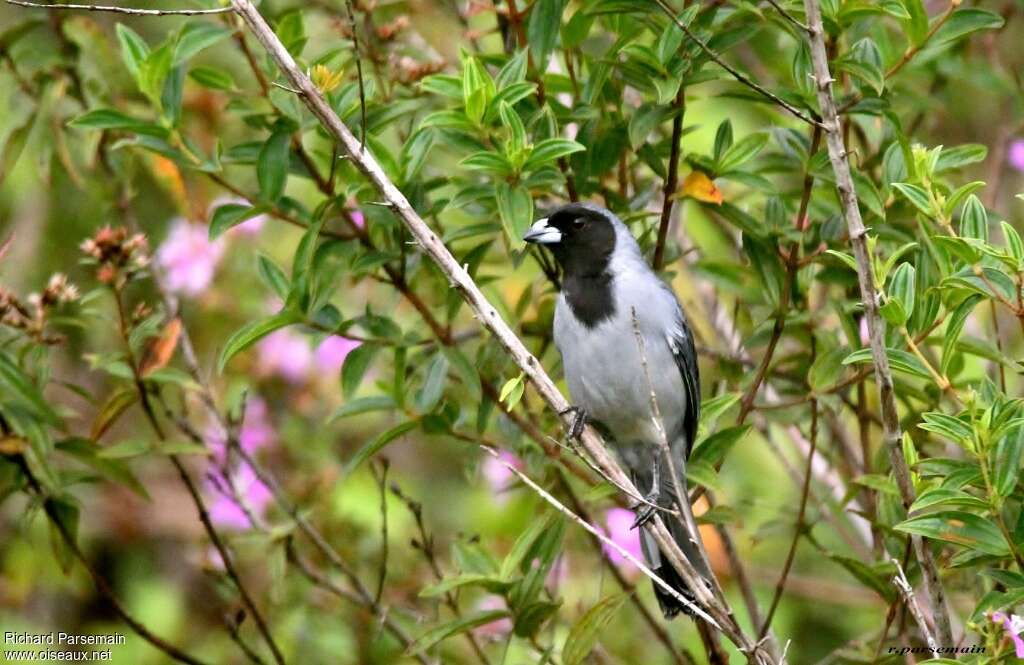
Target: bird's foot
(646,509)
(579,421)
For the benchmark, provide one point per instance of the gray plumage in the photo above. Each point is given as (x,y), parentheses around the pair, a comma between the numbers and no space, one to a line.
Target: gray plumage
(606,280)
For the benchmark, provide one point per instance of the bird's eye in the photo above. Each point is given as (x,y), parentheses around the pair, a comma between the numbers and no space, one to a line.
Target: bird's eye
(579,223)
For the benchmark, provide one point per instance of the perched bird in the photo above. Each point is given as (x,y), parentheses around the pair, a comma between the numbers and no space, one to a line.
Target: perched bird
(608,293)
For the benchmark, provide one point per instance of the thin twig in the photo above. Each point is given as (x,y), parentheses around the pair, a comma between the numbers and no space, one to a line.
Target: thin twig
(381,476)
(671,180)
(359,73)
(732,70)
(869,295)
(901,582)
(786,15)
(124,10)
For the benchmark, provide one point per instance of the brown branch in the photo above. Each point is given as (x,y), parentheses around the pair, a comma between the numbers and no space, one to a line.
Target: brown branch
(123,10)
(883,374)
(671,179)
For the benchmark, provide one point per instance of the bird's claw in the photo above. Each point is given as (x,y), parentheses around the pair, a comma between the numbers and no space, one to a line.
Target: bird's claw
(645,509)
(579,421)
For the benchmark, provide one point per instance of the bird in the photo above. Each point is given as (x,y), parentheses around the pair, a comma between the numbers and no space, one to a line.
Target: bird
(610,299)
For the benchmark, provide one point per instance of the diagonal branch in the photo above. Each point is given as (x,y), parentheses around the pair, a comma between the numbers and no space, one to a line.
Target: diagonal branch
(123,10)
(892,432)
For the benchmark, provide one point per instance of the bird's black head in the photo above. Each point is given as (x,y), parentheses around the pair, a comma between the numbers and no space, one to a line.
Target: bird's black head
(581,237)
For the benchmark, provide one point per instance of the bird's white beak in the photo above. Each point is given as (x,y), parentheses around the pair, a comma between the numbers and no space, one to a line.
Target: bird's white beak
(543,234)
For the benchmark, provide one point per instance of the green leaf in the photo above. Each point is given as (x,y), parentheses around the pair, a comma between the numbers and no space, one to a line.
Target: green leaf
(454,627)
(584,633)
(741,152)
(230,215)
(516,560)
(272,165)
(134,49)
(959,528)
(354,367)
(13,147)
(113,119)
(963,22)
(899,360)
(433,384)
(515,207)
(213,78)
(18,388)
(1013,243)
(478,88)
(489,162)
(714,448)
(946,496)
(959,194)
(902,289)
(549,150)
(489,582)
(362,405)
(916,195)
(962,155)
(1006,463)
(952,428)
(974,220)
(87,451)
(377,444)
(954,328)
(512,392)
(723,139)
(195,36)
(516,146)
(153,70)
(917,26)
(542,30)
(273,276)
(254,332)
(868,576)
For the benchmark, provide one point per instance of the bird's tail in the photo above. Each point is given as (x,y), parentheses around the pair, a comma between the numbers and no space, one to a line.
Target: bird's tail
(659,562)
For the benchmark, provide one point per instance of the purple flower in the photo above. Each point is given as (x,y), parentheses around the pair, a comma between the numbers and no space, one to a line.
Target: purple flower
(331,353)
(249,227)
(1015,154)
(241,488)
(619,523)
(188,258)
(359,219)
(498,476)
(226,487)
(1014,626)
(285,353)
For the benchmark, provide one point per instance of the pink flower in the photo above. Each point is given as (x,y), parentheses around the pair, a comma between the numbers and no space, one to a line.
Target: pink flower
(1015,154)
(285,353)
(331,353)
(241,486)
(255,433)
(865,331)
(188,257)
(495,628)
(1014,626)
(619,523)
(249,227)
(359,219)
(498,476)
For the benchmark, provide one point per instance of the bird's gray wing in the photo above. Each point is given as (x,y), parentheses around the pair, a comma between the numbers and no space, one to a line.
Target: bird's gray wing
(680,340)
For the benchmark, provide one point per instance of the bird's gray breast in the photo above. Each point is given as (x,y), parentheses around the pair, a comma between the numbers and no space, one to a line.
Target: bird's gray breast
(604,367)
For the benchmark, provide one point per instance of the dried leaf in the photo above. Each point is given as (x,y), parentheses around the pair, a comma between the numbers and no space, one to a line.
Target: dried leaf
(700,187)
(159,351)
(12,445)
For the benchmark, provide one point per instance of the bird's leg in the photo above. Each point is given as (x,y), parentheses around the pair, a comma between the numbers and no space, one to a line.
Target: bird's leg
(645,509)
(579,421)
